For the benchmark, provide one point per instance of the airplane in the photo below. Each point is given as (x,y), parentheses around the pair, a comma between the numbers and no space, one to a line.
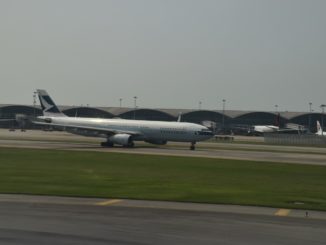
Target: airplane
(261,129)
(121,131)
(289,128)
(320,130)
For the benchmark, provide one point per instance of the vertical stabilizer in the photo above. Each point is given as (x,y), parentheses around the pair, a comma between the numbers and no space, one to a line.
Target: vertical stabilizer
(319,129)
(179,117)
(49,108)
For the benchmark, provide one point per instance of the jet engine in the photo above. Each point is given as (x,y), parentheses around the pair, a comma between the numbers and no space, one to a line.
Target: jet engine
(121,139)
(83,132)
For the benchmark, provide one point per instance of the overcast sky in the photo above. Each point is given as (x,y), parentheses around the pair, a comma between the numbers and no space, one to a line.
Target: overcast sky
(170,53)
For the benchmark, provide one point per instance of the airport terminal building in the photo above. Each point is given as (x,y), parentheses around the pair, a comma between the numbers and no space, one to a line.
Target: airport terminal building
(229,121)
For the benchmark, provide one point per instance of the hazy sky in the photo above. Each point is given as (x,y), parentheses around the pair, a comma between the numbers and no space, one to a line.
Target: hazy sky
(170,53)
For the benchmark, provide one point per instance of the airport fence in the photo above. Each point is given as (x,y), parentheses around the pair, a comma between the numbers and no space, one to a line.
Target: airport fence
(294,139)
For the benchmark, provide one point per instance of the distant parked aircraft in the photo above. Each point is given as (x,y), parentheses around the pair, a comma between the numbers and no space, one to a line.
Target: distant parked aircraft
(290,128)
(121,131)
(261,129)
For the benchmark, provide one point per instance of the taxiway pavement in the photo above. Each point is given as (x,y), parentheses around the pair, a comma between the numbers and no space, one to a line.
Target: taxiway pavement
(28,219)
(251,155)
(54,220)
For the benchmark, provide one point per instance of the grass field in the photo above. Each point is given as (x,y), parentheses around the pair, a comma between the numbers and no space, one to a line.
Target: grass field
(113,175)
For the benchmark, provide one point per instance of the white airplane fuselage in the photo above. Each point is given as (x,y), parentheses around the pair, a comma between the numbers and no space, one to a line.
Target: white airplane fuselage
(121,131)
(140,130)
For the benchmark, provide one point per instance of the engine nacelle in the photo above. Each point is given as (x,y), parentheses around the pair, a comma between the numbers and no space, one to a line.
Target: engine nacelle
(83,132)
(156,142)
(122,139)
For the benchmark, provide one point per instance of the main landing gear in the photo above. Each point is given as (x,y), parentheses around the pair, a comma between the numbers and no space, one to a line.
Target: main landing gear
(107,144)
(192,146)
(130,145)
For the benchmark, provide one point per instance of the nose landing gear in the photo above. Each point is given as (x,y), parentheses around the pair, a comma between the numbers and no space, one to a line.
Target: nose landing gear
(192,146)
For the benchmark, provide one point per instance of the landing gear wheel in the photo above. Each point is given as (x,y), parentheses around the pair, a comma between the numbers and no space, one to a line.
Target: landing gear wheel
(107,144)
(130,145)
(192,146)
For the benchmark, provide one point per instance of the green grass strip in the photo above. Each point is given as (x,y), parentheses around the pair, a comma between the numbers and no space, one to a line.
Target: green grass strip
(114,175)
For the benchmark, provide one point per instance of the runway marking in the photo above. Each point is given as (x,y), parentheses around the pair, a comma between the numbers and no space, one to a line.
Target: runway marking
(282,212)
(109,202)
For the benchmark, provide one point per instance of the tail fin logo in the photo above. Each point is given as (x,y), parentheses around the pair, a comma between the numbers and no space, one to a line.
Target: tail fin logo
(48,106)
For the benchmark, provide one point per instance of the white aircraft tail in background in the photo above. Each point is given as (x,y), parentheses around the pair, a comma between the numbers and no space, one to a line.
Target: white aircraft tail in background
(320,130)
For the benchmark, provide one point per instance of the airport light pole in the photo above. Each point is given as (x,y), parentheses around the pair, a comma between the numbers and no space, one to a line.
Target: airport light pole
(223,117)
(120,100)
(34,103)
(276,108)
(310,110)
(135,106)
(322,118)
(199,105)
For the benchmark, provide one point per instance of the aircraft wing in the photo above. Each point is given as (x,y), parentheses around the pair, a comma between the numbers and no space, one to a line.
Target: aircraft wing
(99,130)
